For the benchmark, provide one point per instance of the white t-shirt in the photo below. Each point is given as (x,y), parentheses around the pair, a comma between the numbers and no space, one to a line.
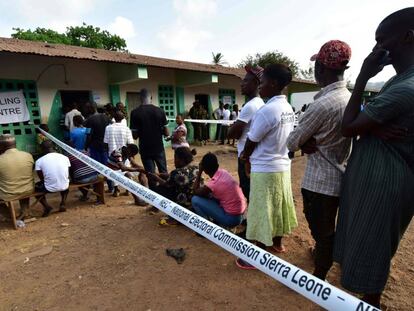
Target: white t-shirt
(55,169)
(218,113)
(246,115)
(226,114)
(271,127)
(69,118)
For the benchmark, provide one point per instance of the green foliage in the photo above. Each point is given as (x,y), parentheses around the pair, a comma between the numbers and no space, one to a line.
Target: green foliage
(218,59)
(85,36)
(276,57)
(268,58)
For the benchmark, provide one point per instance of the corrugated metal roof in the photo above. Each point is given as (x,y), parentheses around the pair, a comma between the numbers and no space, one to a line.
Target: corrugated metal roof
(70,51)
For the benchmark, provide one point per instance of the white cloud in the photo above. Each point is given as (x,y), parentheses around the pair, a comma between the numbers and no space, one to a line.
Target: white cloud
(122,27)
(188,31)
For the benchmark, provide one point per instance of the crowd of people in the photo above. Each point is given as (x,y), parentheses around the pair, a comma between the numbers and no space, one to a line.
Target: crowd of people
(371,184)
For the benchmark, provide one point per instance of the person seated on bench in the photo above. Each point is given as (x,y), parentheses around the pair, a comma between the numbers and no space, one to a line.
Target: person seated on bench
(53,171)
(81,173)
(16,173)
(221,199)
(122,159)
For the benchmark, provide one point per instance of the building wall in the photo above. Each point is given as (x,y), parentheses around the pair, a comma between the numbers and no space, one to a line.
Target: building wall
(81,76)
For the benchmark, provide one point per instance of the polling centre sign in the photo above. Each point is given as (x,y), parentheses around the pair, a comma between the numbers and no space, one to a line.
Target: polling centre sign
(13,107)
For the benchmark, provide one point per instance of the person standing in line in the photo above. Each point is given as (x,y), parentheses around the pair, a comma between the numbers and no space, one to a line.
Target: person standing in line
(196,114)
(97,123)
(116,134)
(179,135)
(318,134)
(73,111)
(377,194)
(271,213)
(218,115)
(233,117)
(149,125)
(78,133)
(240,128)
(225,126)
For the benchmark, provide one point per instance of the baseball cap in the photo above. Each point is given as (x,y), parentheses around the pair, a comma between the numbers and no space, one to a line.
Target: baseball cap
(257,71)
(334,54)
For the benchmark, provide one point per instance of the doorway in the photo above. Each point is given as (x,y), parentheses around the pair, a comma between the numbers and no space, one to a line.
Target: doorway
(204,100)
(79,97)
(133,100)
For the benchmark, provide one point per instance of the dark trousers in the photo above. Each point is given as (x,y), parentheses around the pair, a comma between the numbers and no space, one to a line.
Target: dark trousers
(320,211)
(244,180)
(218,131)
(224,130)
(150,161)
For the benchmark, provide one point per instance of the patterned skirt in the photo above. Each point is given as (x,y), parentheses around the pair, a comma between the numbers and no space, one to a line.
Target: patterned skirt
(271,210)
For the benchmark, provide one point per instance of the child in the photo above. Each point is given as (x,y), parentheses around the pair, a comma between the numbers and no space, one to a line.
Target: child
(178,185)
(221,199)
(78,133)
(179,135)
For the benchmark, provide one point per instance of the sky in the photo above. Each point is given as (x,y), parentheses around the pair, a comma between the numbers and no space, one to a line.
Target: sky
(192,29)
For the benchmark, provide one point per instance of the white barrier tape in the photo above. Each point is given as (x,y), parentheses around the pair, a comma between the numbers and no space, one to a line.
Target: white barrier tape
(320,292)
(224,122)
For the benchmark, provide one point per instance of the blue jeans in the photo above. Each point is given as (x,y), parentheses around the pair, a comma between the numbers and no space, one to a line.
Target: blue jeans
(99,155)
(208,208)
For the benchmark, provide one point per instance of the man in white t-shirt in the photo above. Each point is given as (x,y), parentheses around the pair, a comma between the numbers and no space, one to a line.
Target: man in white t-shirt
(239,129)
(225,127)
(69,116)
(53,172)
(271,212)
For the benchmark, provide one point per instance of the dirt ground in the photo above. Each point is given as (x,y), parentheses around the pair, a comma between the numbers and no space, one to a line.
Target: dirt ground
(112,257)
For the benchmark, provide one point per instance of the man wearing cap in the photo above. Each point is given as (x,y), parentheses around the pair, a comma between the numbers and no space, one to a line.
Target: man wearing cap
(319,136)
(240,128)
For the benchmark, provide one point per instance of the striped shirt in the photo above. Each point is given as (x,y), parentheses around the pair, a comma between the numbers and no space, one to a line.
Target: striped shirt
(116,136)
(322,121)
(80,171)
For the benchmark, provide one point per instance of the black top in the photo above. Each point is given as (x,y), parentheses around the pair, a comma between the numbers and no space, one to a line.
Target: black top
(97,123)
(148,122)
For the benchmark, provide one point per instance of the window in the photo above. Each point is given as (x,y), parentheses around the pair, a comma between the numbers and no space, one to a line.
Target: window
(166,100)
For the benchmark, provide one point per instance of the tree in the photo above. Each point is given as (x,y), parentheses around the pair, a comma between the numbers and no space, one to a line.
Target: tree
(268,58)
(85,36)
(307,74)
(218,59)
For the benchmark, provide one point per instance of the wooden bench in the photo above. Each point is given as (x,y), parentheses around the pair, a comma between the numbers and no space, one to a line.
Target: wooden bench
(98,191)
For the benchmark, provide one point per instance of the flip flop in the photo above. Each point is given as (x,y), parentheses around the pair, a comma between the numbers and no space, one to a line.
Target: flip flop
(244,265)
(278,249)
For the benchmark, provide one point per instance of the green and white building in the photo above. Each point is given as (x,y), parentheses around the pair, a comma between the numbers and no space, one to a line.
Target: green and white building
(52,76)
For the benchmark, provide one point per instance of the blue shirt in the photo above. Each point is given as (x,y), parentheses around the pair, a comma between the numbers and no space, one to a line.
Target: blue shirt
(78,137)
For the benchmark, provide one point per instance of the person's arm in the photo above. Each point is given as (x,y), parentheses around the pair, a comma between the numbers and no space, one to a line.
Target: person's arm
(156,178)
(40,174)
(67,121)
(236,130)
(125,168)
(202,191)
(166,131)
(309,124)
(258,130)
(133,126)
(355,122)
